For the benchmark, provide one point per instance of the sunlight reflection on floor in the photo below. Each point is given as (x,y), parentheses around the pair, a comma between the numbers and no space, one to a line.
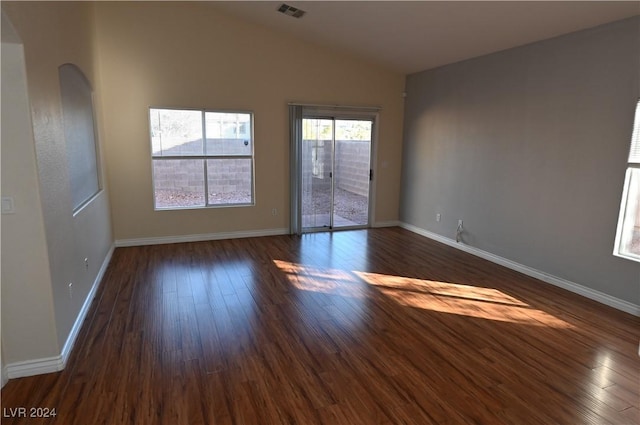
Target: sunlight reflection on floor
(443,297)
(328,281)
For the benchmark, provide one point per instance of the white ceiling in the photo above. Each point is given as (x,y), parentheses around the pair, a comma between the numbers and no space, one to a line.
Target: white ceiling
(411,36)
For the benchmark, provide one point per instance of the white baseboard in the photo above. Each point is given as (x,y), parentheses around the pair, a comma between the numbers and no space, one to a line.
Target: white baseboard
(529,271)
(35,367)
(201,237)
(71,339)
(387,223)
(57,363)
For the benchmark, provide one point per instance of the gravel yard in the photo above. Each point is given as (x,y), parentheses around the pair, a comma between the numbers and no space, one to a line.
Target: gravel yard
(348,205)
(174,198)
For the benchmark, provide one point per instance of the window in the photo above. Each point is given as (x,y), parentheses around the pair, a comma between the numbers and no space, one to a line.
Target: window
(201,158)
(77,109)
(627,243)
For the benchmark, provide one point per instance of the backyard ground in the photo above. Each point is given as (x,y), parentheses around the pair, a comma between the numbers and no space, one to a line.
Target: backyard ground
(348,205)
(166,198)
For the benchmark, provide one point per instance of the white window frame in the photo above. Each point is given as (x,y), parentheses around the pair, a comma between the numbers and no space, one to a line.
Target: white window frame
(632,165)
(204,157)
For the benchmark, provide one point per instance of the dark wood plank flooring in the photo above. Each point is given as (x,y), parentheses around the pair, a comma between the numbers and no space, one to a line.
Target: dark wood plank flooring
(357,327)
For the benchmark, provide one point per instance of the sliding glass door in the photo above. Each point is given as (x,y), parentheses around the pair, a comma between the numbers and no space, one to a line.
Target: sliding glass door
(335,172)
(352,171)
(317,173)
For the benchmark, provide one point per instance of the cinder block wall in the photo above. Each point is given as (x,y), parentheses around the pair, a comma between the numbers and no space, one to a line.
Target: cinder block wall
(225,175)
(352,166)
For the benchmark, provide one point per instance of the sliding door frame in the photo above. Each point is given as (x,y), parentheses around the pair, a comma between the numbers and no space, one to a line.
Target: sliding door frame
(298,112)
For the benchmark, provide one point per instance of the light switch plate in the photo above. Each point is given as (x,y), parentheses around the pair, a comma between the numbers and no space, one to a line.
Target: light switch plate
(7,205)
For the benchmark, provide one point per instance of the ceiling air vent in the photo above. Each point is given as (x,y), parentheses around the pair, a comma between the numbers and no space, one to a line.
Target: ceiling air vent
(291,11)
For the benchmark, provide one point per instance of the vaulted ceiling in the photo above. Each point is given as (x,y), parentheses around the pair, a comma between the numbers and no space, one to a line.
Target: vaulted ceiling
(411,36)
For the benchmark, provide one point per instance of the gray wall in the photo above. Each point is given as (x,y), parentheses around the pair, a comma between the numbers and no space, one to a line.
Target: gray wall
(528,146)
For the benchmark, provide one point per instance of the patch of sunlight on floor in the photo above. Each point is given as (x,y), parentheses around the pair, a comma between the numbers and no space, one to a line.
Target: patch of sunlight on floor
(465,300)
(328,281)
(443,297)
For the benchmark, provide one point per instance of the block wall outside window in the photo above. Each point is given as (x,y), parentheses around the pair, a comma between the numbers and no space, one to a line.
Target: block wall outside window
(201,158)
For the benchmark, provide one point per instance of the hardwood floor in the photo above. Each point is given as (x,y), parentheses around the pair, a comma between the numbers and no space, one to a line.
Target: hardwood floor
(360,327)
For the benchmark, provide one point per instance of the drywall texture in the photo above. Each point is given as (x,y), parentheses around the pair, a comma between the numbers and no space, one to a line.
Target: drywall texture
(27,299)
(167,54)
(54,34)
(529,146)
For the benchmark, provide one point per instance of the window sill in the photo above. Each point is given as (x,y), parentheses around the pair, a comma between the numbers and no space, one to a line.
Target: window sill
(631,257)
(205,207)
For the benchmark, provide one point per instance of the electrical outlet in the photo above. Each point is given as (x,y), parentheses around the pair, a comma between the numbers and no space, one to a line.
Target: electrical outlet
(274,211)
(438,217)
(70,290)
(86,263)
